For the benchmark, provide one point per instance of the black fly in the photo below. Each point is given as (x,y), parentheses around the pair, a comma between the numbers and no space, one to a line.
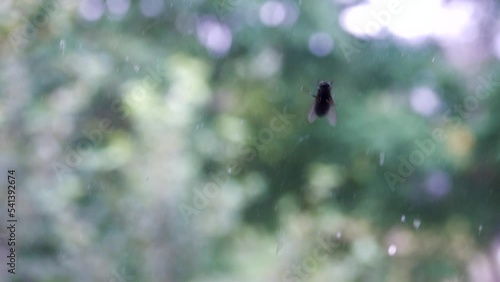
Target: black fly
(323,104)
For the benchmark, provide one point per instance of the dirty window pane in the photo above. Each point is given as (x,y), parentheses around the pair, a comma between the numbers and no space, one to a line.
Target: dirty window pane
(230,140)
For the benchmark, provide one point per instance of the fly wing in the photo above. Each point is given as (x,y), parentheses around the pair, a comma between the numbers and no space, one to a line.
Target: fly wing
(312,114)
(332,114)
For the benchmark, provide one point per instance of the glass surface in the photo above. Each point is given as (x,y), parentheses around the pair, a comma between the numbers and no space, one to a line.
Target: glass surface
(169,140)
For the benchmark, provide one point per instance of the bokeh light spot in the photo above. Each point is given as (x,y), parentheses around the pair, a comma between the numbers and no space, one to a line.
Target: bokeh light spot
(438,184)
(91,10)
(118,7)
(151,8)
(424,101)
(215,36)
(272,13)
(320,44)
(392,250)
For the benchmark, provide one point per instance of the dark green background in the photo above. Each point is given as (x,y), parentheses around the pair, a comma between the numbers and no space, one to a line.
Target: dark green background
(115,127)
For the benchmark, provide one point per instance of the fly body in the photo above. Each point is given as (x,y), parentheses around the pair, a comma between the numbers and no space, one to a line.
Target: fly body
(323,104)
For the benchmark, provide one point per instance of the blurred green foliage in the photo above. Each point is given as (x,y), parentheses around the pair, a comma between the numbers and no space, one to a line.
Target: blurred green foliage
(169,142)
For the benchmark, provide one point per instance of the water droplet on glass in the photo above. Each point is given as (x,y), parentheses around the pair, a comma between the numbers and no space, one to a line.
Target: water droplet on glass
(302,138)
(392,250)
(62,45)
(480,229)
(229,170)
(416,223)
(280,240)
(137,68)
(433,58)
(381,158)
(126,59)
(339,235)
(403,218)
